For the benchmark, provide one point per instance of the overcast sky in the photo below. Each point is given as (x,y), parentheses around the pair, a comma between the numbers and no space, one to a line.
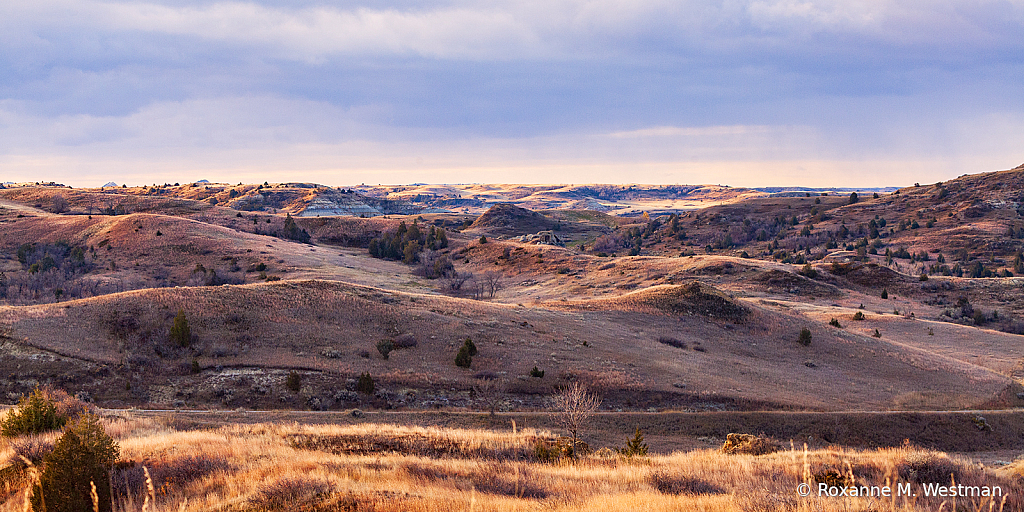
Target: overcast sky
(737,92)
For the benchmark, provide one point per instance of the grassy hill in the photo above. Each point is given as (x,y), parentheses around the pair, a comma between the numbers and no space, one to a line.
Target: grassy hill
(681,325)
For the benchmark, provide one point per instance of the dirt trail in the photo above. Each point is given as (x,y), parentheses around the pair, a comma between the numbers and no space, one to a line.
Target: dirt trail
(22,208)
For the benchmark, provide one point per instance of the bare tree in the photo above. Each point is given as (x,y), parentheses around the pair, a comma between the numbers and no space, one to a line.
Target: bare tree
(492,392)
(492,282)
(60,205)
(575,405)
(454,280)
(476,288)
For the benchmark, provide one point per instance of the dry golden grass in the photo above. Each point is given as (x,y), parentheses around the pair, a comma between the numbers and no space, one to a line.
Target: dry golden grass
(296,467)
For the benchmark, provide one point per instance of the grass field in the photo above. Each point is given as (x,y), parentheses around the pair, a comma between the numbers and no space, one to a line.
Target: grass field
(285,466)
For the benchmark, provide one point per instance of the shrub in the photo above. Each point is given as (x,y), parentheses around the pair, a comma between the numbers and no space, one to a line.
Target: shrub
(805,337)
(553,451)
(470,346)
(33,447)
(835,323)
(930,467)
(365,384)
(537,373)
(35,414)
(635,447)
(195,366)
(180,333)
(853,197)
(809,271)
(672,342)
(877,334)
(293,382)
(78,466)
(979,317)
(858,316)
(407,340)
(924,277)
(749,444)
(286,493)
(676,485)
(385,347)
(483,239)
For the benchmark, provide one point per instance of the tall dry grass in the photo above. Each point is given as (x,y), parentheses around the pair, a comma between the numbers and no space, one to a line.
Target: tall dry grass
(380,467)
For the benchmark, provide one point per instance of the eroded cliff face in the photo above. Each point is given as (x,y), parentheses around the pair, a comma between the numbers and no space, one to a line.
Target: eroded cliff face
(323,206)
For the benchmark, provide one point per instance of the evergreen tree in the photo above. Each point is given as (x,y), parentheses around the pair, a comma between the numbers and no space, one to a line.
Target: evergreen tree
(80,461)
(635,447)
(365,384)
(180,331)
(463,359)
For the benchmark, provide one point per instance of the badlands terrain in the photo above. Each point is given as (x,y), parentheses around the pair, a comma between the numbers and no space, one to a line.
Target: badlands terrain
(852,317)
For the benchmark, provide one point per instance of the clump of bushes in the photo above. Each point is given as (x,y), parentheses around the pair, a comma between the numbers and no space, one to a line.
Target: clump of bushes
(558,449)
(292,230)
(858,316)
(36,413)
(749,444)
(537,373)
(407,242)
(835,323)
(809,271)
(44,410)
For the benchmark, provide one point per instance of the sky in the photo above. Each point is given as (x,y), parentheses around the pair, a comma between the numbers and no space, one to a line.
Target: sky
(734,92)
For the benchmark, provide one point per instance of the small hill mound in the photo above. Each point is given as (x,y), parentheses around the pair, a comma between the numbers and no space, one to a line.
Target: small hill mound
(795,283)
(509,219)
(690,299)
(870,275)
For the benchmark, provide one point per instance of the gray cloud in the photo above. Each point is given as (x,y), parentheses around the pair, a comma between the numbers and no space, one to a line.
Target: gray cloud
(344,86)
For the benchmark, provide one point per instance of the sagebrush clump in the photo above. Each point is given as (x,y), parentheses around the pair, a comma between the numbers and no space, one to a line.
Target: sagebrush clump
(749,444)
